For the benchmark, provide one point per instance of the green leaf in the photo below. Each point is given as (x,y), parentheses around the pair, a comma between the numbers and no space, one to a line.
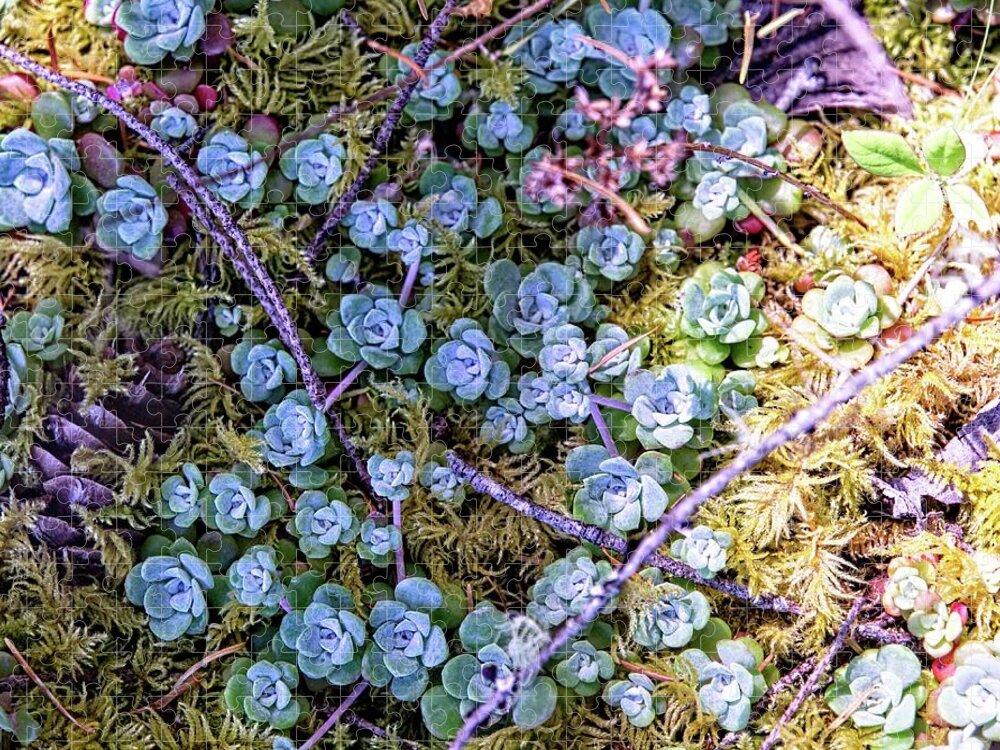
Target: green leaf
(919,207)
(441,713)
(882,154)
(944,151)
(968,208)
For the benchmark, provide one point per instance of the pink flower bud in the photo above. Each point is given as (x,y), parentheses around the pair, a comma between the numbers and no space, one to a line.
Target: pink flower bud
(18,87)
(208,97)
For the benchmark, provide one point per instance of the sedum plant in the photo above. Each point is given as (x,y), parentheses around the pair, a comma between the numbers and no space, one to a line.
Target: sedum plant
(639,34)
(634,698)
(392,477)
(583,668)
(378,541)
(156,28)
(264,692)
(228,319)
(527,303)
(322,521)
(970,698)
(703,549)
(690,110)
(233,170)
(550,55)
(565,587)
(501,129)
(610,356)
(505,424)
(453,203)
(671,618)
(412,241)
(609,254)
(295,436)
(39,333)
(467,365)
(255,579)
(882,690)
(434,98)
(327,637)
(938,625)
(618,495)
(470,679)
(369,224)
(718,314)
(730,684)
(35,182)
(374,328)
(172,588)
(563,357)
(844,316)
(131,218)
(264,369)
(674,407)
(182,496)
(234,507)
(314,165)
(172,122)
(405,643)
(441,481)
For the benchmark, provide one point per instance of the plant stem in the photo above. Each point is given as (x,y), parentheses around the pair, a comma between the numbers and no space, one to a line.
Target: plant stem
(183,682)
(611,403)
(335,716)
(812,681)
(783,683)
(392,117)
(397,521)
(409,283)
(44,688)
(352,718)
(337,391)
(872,632)
(770,224)
(602,429)
(800,423)
(599,537)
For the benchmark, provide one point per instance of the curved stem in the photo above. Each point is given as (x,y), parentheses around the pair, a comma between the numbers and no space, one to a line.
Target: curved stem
(602,429)
(611,403)
(344,384)
(335,716)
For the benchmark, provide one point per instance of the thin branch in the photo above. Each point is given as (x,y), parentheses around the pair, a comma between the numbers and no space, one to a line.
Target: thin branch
(632,217)
(335,716)
(397,520)
(602,429)
(770,171)
(812,682)
(352,718)
(181,685)
(801,422)
(872,632)
(611,403)
(343,204)
(44,688)
(599,537)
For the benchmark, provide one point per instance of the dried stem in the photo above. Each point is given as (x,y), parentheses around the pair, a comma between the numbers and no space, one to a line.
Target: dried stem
(801,422)
(770,171)
(632,217)
(335,716)
(397,520)
(183,683)
(4,368)
(812,682)
(44,688)
(392,117)
(599,537)
(352,718)
(602,429)
(873,632)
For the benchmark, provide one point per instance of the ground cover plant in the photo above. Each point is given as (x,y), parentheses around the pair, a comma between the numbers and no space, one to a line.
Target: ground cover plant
(501,375)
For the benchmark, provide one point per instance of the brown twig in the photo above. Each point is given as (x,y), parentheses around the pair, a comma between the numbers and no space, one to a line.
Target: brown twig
(632,216)
(812,682)
(182,684)
(639,669)
(770,171)
(44,688)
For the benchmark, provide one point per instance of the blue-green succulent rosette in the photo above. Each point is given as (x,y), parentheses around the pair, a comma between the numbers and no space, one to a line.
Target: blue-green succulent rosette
(378,542)
(671,616)
(438,478)
(636,33)
(500,129)
(322,521)
(314,165)
(233,506)
(703,549)
(565,587)
(264,692)
(635,698)
(156,28)
(295,437)
(265,368)
(609,254)
(551,55)
(131,218)
(405,643)
(611,357)
(372,326)
(731,682)
(469,680)
(255,579)
(583,667)
(468,365)
(327,637)
(172,589)
(39,332)
(172,122)
(182,496)
(453,203)
(437,92)
(674,407)
(370,224)
(881,690)
(392,477)
(232,169)
(35,184)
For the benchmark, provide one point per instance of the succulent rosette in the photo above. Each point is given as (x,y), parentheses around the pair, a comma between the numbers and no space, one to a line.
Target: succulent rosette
(131,218)
(322,521)
(264,692)
(565,587)
(232,169)
(371,326)
(172,588)
(328,637)
(731,683)
(634,697)
(156,28)
(674,407)
(314,165)
(468,365)
(295,436)
(35,182)
(182,496)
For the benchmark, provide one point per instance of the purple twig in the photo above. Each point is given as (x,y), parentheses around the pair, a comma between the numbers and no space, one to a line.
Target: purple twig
(781,685)
(873,632)
(335,716)
(602,429)
(4,368)
(392,116)
(801,422)
(611,403)
(344,384)
(397,521)
(406,293)
(812,681)
(599,537)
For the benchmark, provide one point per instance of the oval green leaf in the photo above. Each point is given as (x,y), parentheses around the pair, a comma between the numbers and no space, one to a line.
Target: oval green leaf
(919,207)
(882,154)
(944,151)
(968,208)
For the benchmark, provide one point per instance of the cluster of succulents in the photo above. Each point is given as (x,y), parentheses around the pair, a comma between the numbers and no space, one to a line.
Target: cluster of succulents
(730,683)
